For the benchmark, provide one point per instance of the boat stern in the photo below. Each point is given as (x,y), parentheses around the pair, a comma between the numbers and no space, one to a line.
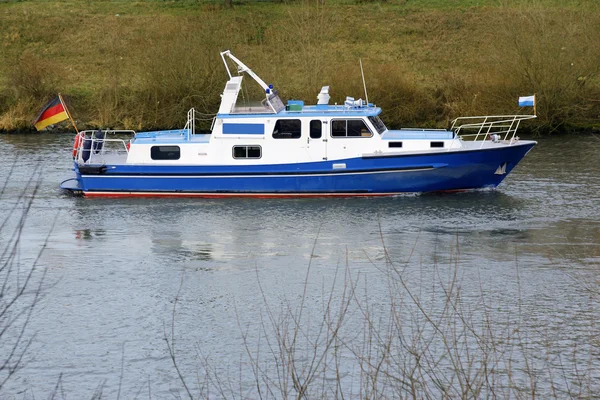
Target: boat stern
(72,186)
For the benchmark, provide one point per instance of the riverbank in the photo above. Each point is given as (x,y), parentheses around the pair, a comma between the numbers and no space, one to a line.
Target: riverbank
(141,65)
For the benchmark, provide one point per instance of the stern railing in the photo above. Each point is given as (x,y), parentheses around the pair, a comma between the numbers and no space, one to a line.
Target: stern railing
(92,145)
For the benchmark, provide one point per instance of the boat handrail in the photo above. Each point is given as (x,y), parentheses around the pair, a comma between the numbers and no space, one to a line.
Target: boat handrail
(95,140)
(309,109)
(190,125)
(423,129)
(507,117)
(109,131)
(504,127)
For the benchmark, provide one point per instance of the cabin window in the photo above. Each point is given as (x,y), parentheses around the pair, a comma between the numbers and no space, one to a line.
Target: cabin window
(350,128)
(247,152)
(287,129)
(378,124)
(437,144)
(315,129)
(395,144)
(165,152)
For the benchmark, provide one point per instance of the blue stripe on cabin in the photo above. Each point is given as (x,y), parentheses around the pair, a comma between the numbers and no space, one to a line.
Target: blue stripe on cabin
(243,129)
(417,135)
(154,134)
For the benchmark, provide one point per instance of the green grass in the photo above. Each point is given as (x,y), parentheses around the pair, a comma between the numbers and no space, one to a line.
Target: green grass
(142,64)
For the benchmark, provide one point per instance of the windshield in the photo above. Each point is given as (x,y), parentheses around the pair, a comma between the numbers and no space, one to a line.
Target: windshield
(378,124)
(276,102)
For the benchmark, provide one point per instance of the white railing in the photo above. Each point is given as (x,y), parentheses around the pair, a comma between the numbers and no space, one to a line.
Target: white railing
(93,144)
(496,127)
(424,129)
(190,125)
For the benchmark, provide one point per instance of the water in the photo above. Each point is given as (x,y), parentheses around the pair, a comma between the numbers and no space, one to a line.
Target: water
(526,253)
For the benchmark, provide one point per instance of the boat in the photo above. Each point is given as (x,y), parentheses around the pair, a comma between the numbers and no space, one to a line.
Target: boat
(277,149)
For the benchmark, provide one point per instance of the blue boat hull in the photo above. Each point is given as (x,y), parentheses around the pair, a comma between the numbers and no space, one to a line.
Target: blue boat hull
(364,176)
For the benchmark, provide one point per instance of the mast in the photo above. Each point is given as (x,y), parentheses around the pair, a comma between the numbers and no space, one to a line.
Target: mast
(244,68)
(363,78)
(236,83)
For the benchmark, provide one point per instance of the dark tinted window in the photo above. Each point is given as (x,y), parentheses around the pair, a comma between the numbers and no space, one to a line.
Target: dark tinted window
(437,144)
(350,128)
(254,152)
(247,152)
(315,129)
(287,129)
(378,124)
(395,144)
(357,127)
(165,152)
(240,152)
(338,128)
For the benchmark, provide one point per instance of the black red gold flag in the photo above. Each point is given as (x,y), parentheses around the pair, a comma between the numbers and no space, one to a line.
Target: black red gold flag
(51,114)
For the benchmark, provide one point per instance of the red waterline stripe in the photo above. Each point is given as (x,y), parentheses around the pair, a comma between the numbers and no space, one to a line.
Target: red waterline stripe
(243,195)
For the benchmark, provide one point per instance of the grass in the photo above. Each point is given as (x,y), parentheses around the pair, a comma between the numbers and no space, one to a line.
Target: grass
(141,64)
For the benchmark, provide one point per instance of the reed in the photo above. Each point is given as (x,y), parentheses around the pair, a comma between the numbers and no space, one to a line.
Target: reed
(22,279)
(141,65)
(429,339)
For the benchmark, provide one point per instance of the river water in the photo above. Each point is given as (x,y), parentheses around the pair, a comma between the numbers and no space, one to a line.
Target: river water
(227,282)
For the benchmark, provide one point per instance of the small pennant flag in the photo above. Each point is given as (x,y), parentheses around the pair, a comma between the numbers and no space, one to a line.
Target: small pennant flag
(527,101)
(51,114)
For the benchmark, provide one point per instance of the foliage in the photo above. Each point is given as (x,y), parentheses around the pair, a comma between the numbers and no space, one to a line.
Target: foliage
(142,64)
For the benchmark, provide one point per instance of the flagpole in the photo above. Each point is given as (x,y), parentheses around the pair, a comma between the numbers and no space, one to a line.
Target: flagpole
(68,113)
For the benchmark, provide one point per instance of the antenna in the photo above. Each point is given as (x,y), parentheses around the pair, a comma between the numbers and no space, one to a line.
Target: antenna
(363,78)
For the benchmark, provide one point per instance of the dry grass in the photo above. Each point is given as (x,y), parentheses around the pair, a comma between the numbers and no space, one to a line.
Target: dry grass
(142,64)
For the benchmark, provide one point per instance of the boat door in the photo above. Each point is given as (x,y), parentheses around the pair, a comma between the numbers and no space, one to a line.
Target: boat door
(317,140)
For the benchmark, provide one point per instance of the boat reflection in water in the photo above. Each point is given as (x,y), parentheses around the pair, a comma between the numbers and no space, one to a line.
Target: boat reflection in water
(240,229)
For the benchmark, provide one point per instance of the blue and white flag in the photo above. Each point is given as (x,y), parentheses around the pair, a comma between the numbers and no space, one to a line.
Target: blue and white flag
(527,101)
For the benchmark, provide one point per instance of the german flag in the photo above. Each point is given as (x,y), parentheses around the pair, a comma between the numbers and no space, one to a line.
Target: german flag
(51,114)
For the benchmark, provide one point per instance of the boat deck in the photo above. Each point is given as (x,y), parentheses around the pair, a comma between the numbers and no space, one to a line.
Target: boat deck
(108,158)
